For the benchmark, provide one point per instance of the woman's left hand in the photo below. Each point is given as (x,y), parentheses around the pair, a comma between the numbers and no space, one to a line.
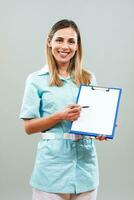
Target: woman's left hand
(101,138)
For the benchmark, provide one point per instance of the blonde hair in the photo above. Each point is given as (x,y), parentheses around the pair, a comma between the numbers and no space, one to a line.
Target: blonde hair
(79,75)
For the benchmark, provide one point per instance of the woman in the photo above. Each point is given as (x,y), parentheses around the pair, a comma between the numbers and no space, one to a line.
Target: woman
(66,164)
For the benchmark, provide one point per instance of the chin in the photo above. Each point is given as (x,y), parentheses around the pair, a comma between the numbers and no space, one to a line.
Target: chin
(62,61)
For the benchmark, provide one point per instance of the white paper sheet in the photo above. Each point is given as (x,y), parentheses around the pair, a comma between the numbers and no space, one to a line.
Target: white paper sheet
(100,117)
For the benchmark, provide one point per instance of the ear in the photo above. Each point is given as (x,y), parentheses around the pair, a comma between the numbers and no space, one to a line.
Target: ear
(49,42)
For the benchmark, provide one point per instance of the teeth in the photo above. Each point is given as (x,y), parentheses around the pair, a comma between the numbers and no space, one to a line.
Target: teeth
(64,54)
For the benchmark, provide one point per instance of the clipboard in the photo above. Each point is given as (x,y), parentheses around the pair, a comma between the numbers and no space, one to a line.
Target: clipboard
(99,112)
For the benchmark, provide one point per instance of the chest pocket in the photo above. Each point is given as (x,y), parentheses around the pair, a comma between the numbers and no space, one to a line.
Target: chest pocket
(48,101)
(56,98)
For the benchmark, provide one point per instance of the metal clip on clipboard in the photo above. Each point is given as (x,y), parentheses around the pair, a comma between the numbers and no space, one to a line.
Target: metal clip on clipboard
(100,88)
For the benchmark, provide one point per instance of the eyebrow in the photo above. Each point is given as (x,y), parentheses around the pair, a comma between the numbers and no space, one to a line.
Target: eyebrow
(59,37)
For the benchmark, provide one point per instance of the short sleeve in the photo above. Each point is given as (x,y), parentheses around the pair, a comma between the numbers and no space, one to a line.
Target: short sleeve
(93,80)
(31,101)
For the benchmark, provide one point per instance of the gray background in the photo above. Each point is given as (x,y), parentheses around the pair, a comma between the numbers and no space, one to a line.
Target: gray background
(107,29)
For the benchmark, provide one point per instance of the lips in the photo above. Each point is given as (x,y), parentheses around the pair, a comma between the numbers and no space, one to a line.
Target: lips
(63,53)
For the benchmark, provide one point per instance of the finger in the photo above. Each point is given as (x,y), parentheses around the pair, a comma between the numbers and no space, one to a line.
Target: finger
(74,117)
(75,110)
(101,137)
(74,106)
(74,114)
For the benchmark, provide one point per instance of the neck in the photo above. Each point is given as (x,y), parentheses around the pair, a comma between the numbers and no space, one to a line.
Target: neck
(63,70)
(63,73)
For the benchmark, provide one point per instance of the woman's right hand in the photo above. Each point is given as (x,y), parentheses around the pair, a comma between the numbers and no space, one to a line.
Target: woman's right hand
(71,112)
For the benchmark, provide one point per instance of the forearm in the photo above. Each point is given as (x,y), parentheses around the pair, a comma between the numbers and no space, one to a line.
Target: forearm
(41,124)
(70,113)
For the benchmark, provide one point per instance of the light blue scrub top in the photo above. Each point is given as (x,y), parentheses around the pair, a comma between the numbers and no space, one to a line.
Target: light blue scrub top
(61,165)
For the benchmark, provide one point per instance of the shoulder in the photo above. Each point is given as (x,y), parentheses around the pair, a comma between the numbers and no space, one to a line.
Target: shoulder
(31,79)
(37,75)
(32,76)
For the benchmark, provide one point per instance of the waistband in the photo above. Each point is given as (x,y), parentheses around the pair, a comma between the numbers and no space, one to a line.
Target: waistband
(67,136)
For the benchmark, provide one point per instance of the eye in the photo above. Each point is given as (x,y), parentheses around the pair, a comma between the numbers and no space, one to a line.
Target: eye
(59,40)
(71,41)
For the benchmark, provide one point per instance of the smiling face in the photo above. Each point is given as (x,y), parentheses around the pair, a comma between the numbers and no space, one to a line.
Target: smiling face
(64,45)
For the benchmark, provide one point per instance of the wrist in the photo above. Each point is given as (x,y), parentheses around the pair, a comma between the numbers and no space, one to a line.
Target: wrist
(59,116)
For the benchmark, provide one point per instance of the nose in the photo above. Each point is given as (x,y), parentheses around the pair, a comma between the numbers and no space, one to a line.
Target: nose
(64,45)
